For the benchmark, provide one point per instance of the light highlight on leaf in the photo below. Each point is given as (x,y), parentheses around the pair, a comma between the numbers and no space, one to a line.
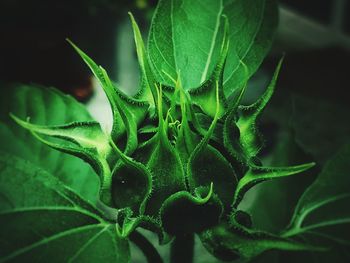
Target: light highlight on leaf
(250,137)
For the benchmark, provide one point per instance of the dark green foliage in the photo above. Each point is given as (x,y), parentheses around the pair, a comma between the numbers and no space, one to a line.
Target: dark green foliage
(187,177)
(44,220)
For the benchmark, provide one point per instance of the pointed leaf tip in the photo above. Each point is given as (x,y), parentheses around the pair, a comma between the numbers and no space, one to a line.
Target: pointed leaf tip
(147,91)
(257,174)
(85,140)
(251,139)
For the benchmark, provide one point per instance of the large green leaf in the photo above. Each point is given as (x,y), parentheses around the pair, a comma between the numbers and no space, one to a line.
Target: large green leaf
(45,107)
(323,209)
(180,39)
(186,36)
(253,24)
(205,95)
(44,221)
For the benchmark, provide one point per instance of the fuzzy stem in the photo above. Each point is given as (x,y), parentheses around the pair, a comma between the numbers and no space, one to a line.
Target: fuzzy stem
(182,249)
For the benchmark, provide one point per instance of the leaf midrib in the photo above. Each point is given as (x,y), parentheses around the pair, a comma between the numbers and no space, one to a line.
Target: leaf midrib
(250,44)
(212,45)
(172,32)
(326,223)
(52,208)
(52,238)
(306,211)
(92,239)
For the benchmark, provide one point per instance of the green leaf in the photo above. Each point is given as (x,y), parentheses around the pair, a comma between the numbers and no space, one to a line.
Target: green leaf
(257,174)
(82,139)
(85,140)
(253,25)
(45,221)
(230,242)
(45,106)
(183,213)
(148,89)
(118,128)
(205,95)
(182,41)
(250,139)
(186,36)
(322,210)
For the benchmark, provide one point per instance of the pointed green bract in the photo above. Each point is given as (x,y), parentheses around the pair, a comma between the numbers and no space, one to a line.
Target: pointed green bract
(211,166)
(257,174)
(132,112)
(165,165)
(118,126)
(45,106)
(86,135)
(148,84)
(132,183)
(206,164)
(204,142)
(231,132)
(84,140)
(123,107)
(186,139)
(250,137)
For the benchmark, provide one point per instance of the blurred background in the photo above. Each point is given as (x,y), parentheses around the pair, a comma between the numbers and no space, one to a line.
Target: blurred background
(308,118)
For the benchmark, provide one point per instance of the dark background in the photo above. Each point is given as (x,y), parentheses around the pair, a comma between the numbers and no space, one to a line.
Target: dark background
(33,47)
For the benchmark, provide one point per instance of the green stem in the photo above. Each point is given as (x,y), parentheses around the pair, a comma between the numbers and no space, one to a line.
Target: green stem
(182,249)
(146,247)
